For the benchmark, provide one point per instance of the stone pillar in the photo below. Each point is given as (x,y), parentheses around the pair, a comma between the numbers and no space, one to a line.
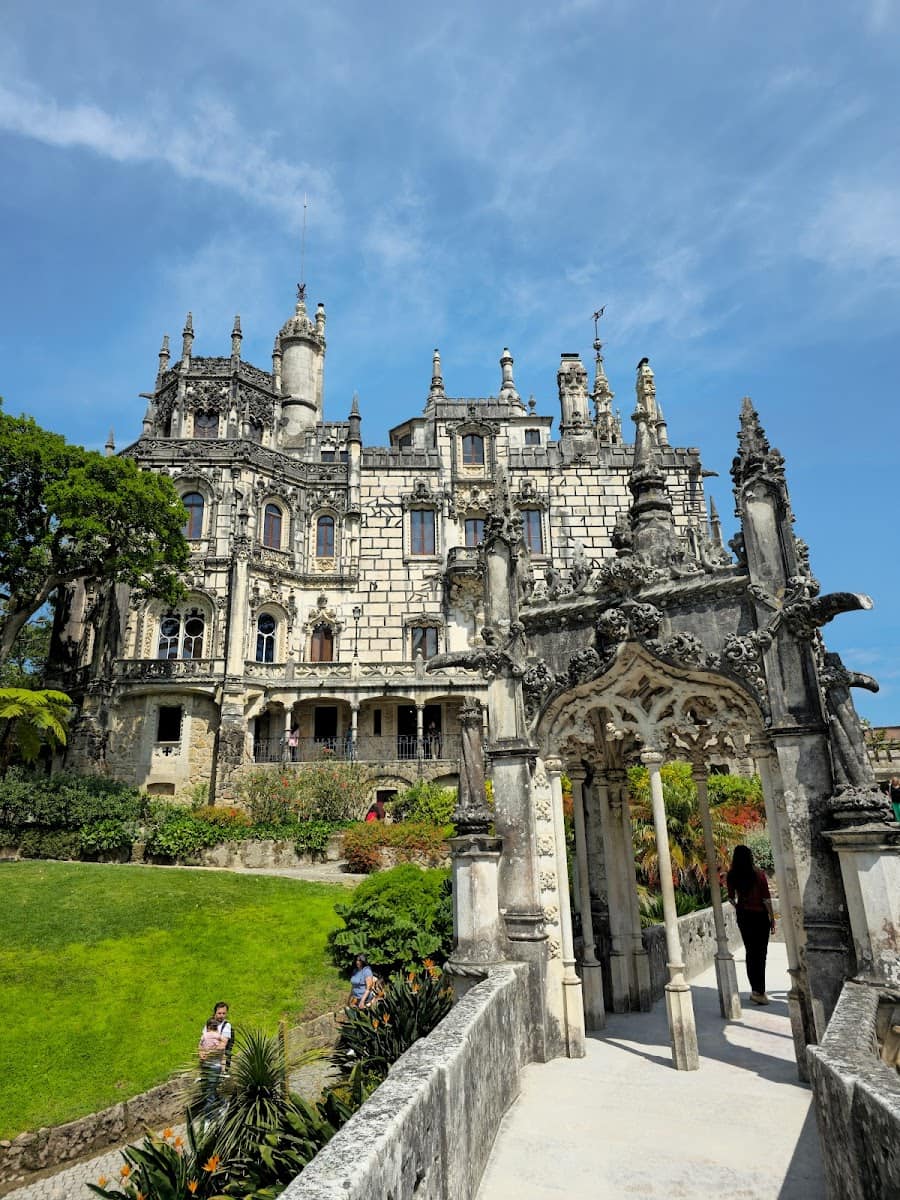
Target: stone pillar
(790,905)
(726,975)
(420,730)
(869,852)
(286,748)
(573,1000)
(592,976)
(641,998)
(618,900)
(354,732)
(679,1004)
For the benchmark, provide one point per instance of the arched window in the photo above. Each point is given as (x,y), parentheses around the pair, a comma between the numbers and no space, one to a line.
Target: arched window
(325,538)
(206,424)
(532,531)
(272,527)
(322,644)
(425,640)
(193,528)
(181,635)
(265,638)
(473,449)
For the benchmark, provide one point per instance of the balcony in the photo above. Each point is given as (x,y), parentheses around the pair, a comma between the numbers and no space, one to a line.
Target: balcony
(152,670)
(463,560)
(438,748)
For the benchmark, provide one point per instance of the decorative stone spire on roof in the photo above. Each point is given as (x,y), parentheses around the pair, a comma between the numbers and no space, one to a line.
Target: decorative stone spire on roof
(236,337)
(507,383)
(662,429)
(187,339)
(436,391)
(755,458)
(110,446)
(354,434)
(715,525)
(603,396)
(652,525)
(300,325)
(163,359)
(645,386)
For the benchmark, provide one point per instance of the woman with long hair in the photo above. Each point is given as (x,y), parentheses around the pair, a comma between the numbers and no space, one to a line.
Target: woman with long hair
(748,891)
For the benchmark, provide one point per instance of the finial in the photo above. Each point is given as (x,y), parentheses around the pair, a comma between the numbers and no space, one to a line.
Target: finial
(507,383)
(354,405)
(354,435)
(320,319)
(532,403)
(187,338)
(662,429)
(715,525)
(236,336)
(163,359)
(437,378)
(110,444)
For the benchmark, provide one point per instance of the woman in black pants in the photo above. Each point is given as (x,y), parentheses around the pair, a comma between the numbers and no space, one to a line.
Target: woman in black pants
(748,890)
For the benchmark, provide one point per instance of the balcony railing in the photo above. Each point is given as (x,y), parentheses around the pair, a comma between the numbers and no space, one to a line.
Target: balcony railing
(439,747)
(139,670)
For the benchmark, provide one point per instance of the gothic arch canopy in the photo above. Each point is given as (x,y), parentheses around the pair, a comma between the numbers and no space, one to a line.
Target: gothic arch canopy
(642,703)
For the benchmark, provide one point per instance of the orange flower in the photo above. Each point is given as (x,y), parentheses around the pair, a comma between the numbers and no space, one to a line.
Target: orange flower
(167,1133)
(213,1163)
(411,976)
(386,1017)
(140,1196)
(125,1171)
(415,989)
(192,1186)
(102,1181)
(374,1022)
(428,964)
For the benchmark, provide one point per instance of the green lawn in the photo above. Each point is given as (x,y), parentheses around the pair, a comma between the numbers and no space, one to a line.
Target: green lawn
(107,973)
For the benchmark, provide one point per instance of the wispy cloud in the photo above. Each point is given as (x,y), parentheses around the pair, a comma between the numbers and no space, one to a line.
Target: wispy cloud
(202,141)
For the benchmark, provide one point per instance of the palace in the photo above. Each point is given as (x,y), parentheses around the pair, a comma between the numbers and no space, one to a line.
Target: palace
(325,574)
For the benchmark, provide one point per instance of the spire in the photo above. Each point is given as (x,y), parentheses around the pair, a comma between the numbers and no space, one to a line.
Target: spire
(652,524)
(354,434)
(755,457)
(507,383)
(662,429)
(436,391)
(163,360)
(602,394)
(187,339)
(645,387)
(715,525)
(236,337)
(110,446)
(320,321)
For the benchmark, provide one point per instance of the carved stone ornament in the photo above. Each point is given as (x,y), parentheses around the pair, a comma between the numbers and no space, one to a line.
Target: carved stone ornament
(583,666)
(627,576)
(537,684)
(612,626)
(743,656)
(547,880)
(472,813)
(644,620)
(685,650)
(543,809)
(207,395)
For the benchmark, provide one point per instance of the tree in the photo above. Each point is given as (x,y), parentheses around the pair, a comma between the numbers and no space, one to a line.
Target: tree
(28,719)
(68,513)
(24,667)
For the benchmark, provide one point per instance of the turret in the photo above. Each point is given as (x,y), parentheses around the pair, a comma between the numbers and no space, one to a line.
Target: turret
(572,380)
(187,341)
(507,383)
(609,428)
(302,343)
(236,337)
(652,524)
(436,392)
(163,360)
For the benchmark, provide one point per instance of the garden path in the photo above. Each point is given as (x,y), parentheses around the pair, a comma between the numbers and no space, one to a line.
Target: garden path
(621,1122)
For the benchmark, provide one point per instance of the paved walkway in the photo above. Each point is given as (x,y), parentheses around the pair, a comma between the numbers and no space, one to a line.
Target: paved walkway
(623,1123)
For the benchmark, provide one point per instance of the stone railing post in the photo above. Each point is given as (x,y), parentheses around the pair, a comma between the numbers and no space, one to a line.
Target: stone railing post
(573,999)
(679,1004)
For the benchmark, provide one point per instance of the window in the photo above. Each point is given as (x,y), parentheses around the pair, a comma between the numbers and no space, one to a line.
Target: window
(376,722)
(473,450)
(265,638)
(421,531)
(181,635)
(272,527)
(404,442)
(327,456)
(474,531)
(325,537)
(425,641)
(168,723)
(193,527)
(344,456)
(206,425)
(322,644)
(532,437)
(534,536)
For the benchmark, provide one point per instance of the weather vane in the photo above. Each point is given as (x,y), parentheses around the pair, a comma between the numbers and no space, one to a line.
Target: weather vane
(597,315)
(301,286)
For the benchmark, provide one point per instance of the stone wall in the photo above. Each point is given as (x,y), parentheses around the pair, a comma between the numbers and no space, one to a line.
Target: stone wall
(429,1128)
(857,1099)
(698,942)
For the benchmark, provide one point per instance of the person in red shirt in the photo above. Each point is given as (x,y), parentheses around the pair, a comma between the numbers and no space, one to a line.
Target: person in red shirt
(748,891)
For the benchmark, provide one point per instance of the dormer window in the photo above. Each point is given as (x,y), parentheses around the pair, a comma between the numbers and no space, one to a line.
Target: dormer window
(404,442)
(472,450)
(206,425)
(532,437)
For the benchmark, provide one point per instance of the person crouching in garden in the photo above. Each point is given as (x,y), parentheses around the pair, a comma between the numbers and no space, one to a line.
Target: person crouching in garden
(362,984)
(748,890)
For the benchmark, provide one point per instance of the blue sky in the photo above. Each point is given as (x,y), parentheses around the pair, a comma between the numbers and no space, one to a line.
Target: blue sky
(724,177)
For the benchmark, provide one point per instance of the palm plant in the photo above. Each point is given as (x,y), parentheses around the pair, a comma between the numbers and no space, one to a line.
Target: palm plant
(28,719)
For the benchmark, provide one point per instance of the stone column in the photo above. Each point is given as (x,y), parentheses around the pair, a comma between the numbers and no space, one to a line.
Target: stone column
(790,910)
(726,975)
(573,1000)
(679,1004)
(617,898)
(354,732)
(640,961)
(592,976)
(420,729)
(286,754)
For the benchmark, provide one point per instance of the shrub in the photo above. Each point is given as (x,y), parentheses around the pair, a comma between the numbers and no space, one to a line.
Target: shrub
(223,818)
(425,802)
(66,801)
(50,843)
(333,791)
(407,841)
(270,794)
(312,837)
(760,844)
(175,833)
(396,918)
(105,837)
(372,1039)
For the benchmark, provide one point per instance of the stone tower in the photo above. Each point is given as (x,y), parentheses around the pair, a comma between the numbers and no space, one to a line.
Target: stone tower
(301,342)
